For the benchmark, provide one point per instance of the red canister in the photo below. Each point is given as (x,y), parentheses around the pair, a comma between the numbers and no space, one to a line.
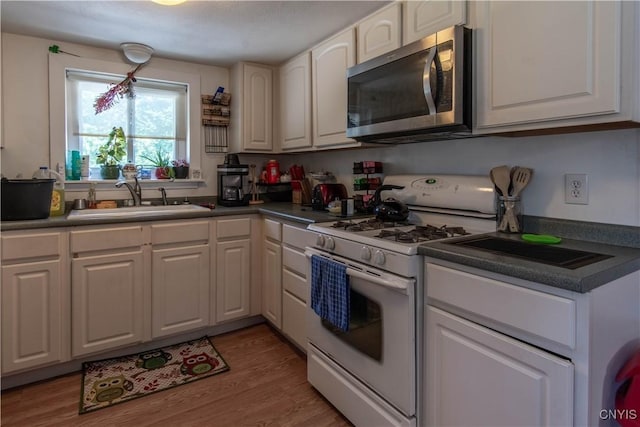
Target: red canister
(273,172)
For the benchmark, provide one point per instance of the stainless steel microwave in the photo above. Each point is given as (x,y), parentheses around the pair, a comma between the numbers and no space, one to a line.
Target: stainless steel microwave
(421,91)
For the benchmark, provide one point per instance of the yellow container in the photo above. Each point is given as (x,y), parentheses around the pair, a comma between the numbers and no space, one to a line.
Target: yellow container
(57,196)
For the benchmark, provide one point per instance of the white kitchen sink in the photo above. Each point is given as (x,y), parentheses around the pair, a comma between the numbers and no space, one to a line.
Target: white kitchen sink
(135,211)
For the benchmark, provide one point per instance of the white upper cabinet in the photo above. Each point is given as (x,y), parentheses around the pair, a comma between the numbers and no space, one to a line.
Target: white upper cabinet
(380,33)
(295,103)
(425,17)
(252,108)
(330,61)
(546,64)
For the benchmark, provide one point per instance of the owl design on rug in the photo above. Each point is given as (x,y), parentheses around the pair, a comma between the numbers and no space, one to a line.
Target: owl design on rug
(108,389)
(198,364)
(153,359)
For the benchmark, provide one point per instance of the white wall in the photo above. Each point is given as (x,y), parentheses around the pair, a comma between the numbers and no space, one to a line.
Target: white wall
(610,159)
(25,105)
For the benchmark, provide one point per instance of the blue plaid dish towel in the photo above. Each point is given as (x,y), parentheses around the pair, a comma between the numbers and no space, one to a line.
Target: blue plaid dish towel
(330,291)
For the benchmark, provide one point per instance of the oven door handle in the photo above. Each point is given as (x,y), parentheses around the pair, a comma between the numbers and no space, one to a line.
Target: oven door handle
(377,277)
(395,283)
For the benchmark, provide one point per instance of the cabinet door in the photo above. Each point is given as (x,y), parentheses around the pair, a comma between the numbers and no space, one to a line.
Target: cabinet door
(330,61)
(272,283)
(478,377)
(295,101)
(379,33)
(546,61)
(233,279)
(180,289)
(425,17)
(294,312)
(258,108)
(107,301)
(32,304)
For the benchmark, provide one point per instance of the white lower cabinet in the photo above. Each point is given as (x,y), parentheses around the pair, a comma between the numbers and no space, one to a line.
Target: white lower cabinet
(35,299)
(109,279)
(478,377)
(233,269)
(180,277)
(272,272)
(502,351)
(295,283)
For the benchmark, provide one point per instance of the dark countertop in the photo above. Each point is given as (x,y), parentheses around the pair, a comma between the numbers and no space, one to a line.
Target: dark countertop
(608,240)
(282,210)
(622,242)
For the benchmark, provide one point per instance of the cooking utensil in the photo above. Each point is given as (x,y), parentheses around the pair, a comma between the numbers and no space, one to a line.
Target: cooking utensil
(520,180)
(501,177)
(390,209)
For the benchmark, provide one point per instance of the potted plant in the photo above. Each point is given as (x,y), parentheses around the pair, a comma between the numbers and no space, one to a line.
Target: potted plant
(180,168)
(111,154)
(162,164)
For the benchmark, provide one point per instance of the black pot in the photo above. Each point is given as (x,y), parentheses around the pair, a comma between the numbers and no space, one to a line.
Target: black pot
(390,209)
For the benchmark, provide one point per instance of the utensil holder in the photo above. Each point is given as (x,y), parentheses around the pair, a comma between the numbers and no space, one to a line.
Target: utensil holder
(509,218)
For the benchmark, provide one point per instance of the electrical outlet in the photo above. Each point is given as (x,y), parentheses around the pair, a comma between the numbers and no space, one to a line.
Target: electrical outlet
(576,189)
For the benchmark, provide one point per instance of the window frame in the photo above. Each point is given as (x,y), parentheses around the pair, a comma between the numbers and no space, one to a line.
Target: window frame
(58,65)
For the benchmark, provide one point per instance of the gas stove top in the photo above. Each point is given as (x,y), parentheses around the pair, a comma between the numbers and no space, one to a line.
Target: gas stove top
(440,207)
(402,237)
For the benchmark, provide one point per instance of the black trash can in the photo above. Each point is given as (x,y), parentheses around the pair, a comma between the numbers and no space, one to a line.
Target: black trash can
(24,199)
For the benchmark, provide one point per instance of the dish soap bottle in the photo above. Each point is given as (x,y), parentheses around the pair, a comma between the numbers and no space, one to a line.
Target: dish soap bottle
(57,195)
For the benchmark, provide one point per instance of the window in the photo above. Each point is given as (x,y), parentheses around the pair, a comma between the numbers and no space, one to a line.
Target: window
(75,82)
(153,119)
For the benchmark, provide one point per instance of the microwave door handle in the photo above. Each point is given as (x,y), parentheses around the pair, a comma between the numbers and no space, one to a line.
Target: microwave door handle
(426,81)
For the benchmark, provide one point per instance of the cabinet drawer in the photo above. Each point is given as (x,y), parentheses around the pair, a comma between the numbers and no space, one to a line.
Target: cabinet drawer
(236,227)
(272,229)
(295,284)
(543,315)
(31,245)
(180,232)
(106,238)
(297,237)
(294,260)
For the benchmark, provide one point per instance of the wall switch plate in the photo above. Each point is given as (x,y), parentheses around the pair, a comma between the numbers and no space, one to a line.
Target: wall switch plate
(576,189)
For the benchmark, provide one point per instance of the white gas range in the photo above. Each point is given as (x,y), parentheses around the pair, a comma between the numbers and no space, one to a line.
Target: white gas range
(369,371)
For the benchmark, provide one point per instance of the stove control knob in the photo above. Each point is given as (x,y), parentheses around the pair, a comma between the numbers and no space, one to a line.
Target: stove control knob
(378,258)
(329,243)
(365,253)
(320,240)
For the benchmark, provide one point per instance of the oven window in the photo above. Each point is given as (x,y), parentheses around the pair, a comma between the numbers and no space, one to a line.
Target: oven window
(365,326)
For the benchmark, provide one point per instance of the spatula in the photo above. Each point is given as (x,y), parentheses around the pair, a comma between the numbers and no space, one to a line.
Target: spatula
(521,178)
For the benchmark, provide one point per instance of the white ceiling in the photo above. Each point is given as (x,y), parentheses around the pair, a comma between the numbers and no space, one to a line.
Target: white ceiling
(208,32)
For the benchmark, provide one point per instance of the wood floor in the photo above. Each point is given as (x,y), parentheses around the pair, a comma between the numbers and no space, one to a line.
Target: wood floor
(266,386)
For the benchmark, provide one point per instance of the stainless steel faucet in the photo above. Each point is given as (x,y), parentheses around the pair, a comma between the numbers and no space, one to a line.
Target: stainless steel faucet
(164,196)
(136,191)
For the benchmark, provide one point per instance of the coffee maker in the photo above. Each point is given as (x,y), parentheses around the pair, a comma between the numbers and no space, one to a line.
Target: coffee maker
(231,182)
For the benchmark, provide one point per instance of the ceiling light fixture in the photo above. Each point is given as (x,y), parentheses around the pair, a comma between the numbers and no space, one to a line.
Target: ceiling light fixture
(137,53)
(168,2)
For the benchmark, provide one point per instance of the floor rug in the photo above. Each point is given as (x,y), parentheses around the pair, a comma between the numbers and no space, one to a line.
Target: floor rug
(111,381)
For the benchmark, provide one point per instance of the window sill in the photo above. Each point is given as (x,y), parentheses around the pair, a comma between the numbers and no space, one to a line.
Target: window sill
(108,184)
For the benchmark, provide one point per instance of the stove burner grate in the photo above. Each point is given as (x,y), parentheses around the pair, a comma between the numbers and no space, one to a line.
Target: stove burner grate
(422,233)
(368,224)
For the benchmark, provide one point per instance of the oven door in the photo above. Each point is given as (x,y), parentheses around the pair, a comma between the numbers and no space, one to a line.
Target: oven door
(380,347)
